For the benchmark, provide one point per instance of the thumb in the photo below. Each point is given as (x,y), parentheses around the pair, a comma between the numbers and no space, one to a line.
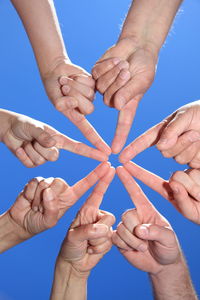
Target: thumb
(177,126)
(50,208)
(41,136)
(162,234)
(87,232)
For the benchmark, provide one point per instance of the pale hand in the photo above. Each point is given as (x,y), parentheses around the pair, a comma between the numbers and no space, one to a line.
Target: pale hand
(71,90)
(177,136)
(144,236)
(123,74)
(34,142)
(89,236)
(44,201)
(182,189)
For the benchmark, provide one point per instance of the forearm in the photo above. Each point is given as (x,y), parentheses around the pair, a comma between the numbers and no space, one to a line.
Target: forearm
(149,21)
(10,233)
(173,283)
(5,121)
(41,24)
(68,283)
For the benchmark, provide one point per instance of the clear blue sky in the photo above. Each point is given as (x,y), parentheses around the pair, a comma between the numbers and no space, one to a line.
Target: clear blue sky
(89,28)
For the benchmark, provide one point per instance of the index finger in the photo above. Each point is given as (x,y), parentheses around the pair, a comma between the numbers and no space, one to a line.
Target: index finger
(87,130)
(153,181)
(144,141)
(81,187)
(66,143)
(96,197)
(125,120)
(135,192)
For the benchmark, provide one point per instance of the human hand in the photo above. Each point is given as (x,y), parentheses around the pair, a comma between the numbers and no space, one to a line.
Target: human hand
(182,189)
(177,136)
(123,74)
(44,201)
(34,142)
(144,237)
(71,90)
(89,236)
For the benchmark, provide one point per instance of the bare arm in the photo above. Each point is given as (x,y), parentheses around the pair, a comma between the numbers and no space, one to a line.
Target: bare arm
(68,283)
(173,283)
(10,233)
(149,21)
(41,24)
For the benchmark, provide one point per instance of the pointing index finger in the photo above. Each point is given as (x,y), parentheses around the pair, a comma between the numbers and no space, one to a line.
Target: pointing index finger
(135,192)
(125,120)
(153,181)
(87,130)
(96,197)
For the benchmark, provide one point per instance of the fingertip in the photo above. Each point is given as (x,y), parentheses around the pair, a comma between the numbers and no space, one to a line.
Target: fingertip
(48,195)
(63,80)
(54,154)
(119,169)
(142,231)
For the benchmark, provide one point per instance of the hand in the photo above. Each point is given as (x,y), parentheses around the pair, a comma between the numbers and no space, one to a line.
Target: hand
(34,142)
(89,236)
(71,90)
(123,75)
(144,236)
(177,136)
(182,189)
(44,201)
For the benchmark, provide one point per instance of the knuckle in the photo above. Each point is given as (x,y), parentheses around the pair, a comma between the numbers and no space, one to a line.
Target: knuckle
(176,175)
(54,155)
(194,164)
(100,85)
(180,159)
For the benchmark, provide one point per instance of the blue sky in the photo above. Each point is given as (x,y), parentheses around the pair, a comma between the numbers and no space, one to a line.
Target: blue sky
(89,28)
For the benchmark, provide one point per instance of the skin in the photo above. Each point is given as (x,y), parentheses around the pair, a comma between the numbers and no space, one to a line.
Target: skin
(41,204)
(146,239)
(87,241)
(34,142)
(126,71)
(69,87)
(182,189)
(177,136)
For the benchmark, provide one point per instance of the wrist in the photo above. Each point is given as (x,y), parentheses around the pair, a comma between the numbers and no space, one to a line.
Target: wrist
(64,265)
(173,282)
(55,64)
(11,233)
(134,42)
(6,121)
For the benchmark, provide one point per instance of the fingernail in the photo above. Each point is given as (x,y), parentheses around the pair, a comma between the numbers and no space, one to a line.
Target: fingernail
(144,230)
(66,89)
(123,65)
(162,142)
(41,209)
(35,208)
(195,136)
(95,74)
(175,190)
(142,247)
(101,228)
(72,103)
(116,60)
(121,102)
(49,194)
(124,74)
(90,251)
